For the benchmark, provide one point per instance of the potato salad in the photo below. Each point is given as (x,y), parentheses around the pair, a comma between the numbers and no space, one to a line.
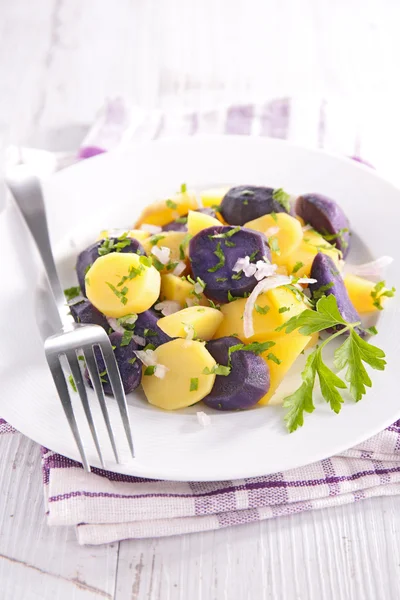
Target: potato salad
(211,297)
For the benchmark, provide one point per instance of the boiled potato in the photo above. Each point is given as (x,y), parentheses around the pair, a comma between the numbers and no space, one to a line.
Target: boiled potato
(174,240)
(184,383)
(180,290)
(213,196)
(162,212)
(198,221)
(269,303)
(288,237)
(119,284)
(359,291)
(204,320)
(288,347)
(302,258)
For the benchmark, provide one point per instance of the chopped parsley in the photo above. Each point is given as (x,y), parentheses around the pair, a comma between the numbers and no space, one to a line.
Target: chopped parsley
(253,255)
(149,347)
(320,292)
(126,338)
(221,279)
(87,269)
(194,384)
(103,376)
(238,275)
(274,244)
(229,244)
(150,370)
(149,332)
(221,256)
(132,361)
(274,358)
(217,370)
(182,220)
(120,294)
(72,292)
(280,196)
(213,305)
(331,237)
(157,264)
(283,309)
(183,188)
(380,292)
(274,216)
(372,330)
(171,204)
(156,238)
(110,245)
(262,310)
(256,347)
(297,266)
(72,383)
(184,245)
(230,297)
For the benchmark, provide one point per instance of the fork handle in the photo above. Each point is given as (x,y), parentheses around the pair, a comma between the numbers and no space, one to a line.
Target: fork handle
(28,196)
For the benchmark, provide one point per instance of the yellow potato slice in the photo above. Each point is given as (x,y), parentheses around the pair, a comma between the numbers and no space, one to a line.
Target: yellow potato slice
(184,383)
(213,196)
(288,237)
(204,320)
(287,348)
(266,315)
(359,291)
(176,241)
(302,258)
(162,212)
(138,291)
(180,290)
(198,221)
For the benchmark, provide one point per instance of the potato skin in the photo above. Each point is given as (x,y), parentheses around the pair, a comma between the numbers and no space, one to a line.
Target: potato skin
(247,383)
(131,374)
(325,272)
(326,217)
(87,257)
(148,320)
(245,203)
(84,312)
(202,250)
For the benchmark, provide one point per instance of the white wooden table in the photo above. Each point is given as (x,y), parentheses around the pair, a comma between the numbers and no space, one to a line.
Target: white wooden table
(58,60)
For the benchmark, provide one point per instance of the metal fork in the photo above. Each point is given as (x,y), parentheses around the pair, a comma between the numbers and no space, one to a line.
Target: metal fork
(71,337)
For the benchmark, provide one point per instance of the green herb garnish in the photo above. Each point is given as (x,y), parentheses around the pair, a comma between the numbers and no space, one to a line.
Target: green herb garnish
(297,267)
(181,220)
(238,275)
(280,196)
(351,356)
(380,292)
(253,255)
(213,305)
(262,310)
(274,244)
(156,238)
(221,279)
(149,332)
(183,188)
(72,292)
(217,370)
(109,245)
(103,376)
(72,383)
(118,293)
(274,358)
(230,297)
(184,245)
(283,309)
(274,216)
(221,256)
(126,338)
(171,204)
(194,384)
(150,370)
(132,361)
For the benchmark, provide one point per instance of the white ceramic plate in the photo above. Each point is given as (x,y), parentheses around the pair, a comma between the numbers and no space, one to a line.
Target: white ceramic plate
(109,191)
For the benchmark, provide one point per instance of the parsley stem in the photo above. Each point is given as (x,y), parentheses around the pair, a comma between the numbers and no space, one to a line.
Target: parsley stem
(340,332)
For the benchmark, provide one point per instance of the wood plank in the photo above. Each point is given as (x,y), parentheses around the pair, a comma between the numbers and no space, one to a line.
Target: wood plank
(37,561)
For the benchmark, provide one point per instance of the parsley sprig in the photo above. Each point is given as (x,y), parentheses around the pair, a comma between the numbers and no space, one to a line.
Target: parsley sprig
(380,292)
(280,196)
(350,357)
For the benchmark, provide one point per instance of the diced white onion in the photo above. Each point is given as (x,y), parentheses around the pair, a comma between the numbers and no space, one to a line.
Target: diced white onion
(306,280)
(199,200)
(189,330)
(272,231)
(266,284)
(180,267)
(160,371)
(264,269)
(140,341)
(150,228)
(191,302)
(162,253)
(307,227)
(244,264)
(168,307)
(113,323)
(374,270)
(203,419)
(147,357)
(198,288)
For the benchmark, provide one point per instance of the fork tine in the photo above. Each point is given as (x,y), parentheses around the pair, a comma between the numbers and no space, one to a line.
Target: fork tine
(117,387)
(98,388)
(77,375)
(63,392)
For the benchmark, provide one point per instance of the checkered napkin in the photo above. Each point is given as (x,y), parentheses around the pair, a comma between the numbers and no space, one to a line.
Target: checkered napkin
(105,507)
